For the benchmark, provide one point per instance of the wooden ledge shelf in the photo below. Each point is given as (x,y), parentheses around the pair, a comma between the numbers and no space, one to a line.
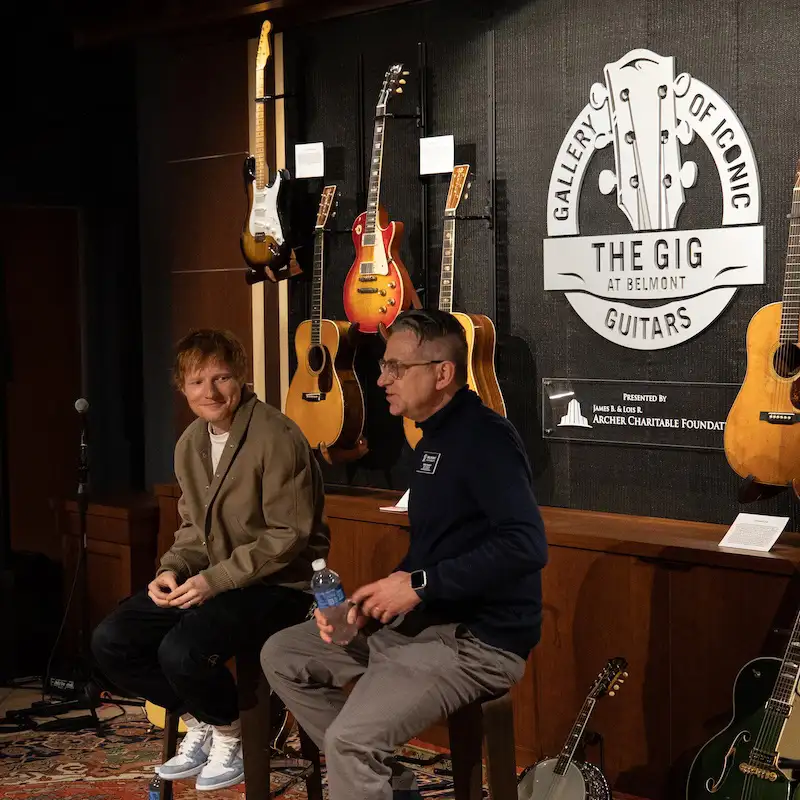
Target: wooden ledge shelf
(643,537)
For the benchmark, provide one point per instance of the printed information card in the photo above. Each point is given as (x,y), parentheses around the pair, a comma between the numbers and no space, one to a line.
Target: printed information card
(754,532)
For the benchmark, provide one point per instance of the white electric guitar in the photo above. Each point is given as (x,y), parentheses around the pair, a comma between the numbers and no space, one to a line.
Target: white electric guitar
(264,240)
(564,778)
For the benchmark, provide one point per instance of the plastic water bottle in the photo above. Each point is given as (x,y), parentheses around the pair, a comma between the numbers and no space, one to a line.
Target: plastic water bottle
(329,594)
(154,790)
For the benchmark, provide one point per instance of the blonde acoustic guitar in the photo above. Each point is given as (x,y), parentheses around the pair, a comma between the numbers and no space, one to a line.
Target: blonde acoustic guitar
(478,328)
(762,432)
(325,397)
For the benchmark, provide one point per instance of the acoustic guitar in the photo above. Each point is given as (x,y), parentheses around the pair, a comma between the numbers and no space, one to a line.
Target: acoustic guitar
(377,287)
(263,240)
(743,761)
(478,328)
(762,432)
(564,777)
(325,397)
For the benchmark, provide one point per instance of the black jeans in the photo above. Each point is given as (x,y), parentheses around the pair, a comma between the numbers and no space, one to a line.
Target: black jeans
(176,658)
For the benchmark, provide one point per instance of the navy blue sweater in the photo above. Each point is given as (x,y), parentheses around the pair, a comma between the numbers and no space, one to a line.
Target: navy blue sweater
(475,525)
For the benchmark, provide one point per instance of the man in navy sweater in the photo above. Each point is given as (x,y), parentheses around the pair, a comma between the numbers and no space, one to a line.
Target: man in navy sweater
(458,617)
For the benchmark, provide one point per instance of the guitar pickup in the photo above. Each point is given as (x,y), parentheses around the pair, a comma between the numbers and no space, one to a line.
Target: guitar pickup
(371,290)
(778,417)
(367,278)
(313,397)
(779,707)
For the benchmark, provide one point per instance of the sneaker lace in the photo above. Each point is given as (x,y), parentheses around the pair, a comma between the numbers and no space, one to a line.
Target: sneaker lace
(223,749)
(194,738)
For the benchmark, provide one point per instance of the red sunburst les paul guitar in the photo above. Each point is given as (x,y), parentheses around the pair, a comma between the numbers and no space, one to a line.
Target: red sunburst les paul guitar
(377,287)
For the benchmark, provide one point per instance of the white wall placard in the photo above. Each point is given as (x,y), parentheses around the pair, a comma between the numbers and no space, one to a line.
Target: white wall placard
(309,160)
(436,155)
(754,532)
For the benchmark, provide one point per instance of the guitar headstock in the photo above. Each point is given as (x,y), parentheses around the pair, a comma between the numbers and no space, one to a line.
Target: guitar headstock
(393,82)
(610,679)
(797,175)
(326,204)
(640,94)
(264,51)
(458,184)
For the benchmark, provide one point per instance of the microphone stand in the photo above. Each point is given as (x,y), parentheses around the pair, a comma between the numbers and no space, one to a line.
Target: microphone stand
(87,690)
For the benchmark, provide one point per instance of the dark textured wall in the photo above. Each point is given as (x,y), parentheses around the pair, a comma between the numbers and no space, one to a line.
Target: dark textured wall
(547,54)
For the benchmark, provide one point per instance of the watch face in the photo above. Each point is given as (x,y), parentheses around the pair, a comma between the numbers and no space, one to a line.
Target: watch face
(417,579)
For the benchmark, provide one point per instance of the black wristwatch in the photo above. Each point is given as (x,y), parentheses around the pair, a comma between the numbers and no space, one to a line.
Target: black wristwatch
(419,580)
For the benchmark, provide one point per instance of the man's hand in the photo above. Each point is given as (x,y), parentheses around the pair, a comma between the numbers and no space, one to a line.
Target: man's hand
(194,592)
(385,599)
(326,629)
(159,589)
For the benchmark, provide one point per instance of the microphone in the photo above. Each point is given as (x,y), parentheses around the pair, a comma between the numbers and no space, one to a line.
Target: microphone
(82,407)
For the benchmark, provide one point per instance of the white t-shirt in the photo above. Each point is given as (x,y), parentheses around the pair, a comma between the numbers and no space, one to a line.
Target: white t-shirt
(217,446)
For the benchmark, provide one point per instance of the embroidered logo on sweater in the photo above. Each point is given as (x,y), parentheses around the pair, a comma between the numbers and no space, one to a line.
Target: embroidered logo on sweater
(429,463)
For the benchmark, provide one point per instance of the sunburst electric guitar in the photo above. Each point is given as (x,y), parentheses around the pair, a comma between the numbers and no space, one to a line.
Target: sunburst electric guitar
(377,287)
(478,328)
(564,777)
(324,396)
(264,236)
(762,432)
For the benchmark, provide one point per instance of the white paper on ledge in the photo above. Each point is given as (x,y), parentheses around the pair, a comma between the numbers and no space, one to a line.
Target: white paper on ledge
(401,506)
(754,532)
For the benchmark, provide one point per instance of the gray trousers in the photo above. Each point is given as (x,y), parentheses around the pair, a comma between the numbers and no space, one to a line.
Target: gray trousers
(405,684)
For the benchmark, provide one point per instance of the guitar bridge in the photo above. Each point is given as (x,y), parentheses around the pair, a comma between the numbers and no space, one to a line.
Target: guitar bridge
(367,278)
(313,397)
(779,417)
(367,291)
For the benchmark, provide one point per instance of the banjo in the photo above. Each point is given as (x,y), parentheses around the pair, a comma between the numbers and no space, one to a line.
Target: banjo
(563,778)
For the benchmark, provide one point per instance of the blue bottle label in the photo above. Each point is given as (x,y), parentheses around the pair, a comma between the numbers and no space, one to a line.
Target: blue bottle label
(330,598)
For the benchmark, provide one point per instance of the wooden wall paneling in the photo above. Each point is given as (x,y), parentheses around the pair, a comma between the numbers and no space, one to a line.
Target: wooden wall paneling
(596,606)
(719,620)
(121,546)
(169,520)
(362,552)
(39,252)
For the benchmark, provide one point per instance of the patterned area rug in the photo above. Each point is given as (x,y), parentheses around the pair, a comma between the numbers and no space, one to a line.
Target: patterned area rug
(118,765)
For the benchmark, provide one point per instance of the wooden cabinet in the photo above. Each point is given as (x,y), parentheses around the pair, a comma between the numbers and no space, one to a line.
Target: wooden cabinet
(686,615)
(121,551)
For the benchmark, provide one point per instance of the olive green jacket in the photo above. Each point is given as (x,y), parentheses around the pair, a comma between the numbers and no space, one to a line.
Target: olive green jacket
(261,516)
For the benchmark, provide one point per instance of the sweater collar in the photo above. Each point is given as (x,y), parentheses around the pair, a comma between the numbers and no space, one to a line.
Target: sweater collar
(463,398)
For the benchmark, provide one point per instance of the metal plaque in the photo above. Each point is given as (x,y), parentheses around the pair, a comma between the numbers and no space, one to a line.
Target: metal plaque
(649,413)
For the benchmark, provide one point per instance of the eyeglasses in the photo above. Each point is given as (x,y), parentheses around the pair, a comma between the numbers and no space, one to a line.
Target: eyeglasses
(397,369)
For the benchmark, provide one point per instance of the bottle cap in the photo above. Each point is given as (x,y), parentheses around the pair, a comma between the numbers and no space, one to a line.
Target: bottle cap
(317,564)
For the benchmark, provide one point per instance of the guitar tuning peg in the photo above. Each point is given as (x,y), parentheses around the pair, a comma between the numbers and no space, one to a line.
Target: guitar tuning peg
(611,694)
(624,674)
(402,81)
(399,90)
(406,72)
(616,687)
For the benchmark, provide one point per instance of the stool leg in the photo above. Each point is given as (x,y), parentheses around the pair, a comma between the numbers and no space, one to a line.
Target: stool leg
(498,730)
(254,714)
(310,752)
(466,739)
(169,746)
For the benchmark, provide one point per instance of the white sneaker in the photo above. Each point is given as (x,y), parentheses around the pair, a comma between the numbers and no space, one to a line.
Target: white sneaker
(225,766)
(192,753)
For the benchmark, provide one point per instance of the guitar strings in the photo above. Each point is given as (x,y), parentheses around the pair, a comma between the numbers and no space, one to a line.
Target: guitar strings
(641,196)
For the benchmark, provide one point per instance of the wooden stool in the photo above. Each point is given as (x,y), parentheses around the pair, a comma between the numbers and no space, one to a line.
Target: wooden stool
(257,734)
(491,720)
